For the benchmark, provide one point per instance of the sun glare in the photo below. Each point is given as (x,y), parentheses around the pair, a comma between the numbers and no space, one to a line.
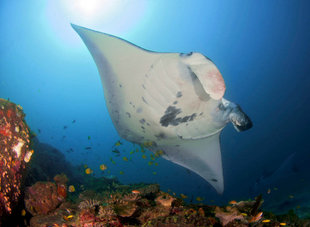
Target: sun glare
(91,10)
(114,16)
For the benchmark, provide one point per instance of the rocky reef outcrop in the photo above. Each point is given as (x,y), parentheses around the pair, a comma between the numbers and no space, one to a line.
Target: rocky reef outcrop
(15,153)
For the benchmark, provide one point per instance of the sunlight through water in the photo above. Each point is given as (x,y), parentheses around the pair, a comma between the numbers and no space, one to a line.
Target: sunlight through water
(115,17)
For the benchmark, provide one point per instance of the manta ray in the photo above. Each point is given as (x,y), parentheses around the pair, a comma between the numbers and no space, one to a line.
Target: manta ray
(171,101)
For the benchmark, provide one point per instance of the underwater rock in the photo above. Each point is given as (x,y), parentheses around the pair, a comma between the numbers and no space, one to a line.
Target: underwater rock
(165,200)
(149,191)
(125,208)
(229,215)
(42,198)
(15,153)
(61,181)
(47,162)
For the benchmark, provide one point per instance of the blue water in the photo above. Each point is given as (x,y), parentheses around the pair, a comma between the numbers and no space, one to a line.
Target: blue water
(262,49)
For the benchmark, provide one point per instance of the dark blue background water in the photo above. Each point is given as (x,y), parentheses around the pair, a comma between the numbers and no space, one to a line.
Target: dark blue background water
(262,49)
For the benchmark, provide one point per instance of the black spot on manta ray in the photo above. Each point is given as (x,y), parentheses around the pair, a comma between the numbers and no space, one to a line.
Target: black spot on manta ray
(214,180)
(170,117)
(143,99)
(142,121)
(179,94)
(143,86)
(175,102)
(120,85)
(139,110)
(160,136)
(128,114)
(132,104)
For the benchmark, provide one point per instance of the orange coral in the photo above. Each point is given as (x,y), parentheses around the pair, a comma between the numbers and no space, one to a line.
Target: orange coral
(62,191)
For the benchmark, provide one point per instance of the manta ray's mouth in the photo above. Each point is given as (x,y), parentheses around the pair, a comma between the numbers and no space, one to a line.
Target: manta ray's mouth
(240,120)
(233,113)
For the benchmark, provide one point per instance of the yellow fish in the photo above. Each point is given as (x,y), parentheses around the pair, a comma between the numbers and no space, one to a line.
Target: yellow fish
(244,214)
(111,159)
(88,171)
(156,164)
(150,163)
(266,221)
(233,202)
(160,152)
(23,213)
(144,156)
(103,167)
(282,223)
(183,196)
(199,198)
(256,218)
(67,218)
(148,143)
(125,159)
(71,188)
(121,172)
(118,143)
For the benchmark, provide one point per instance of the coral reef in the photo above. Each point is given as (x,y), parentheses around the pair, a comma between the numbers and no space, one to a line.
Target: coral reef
(89,204)
(15,152)
(146,205)
(42,197)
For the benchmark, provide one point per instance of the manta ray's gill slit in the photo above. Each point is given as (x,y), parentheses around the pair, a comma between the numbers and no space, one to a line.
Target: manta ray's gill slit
(152,92)
(158,76)
(143,99)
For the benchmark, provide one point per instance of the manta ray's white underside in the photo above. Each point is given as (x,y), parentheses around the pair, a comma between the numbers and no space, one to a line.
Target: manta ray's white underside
(172,100)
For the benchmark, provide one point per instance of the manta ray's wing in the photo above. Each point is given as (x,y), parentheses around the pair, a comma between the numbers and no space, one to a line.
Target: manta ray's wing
(202,156)
(156,97)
